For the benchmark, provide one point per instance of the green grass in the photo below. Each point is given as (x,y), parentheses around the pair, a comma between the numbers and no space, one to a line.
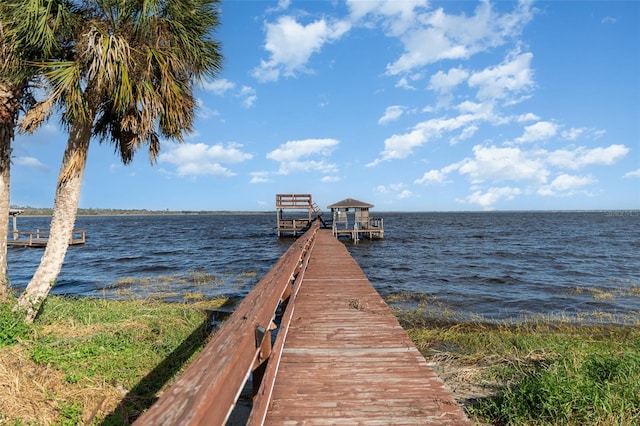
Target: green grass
(537,372)
(128,350)
(12,326)
(103,362)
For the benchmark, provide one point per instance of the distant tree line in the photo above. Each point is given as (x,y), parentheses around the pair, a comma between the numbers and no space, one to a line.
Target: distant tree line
(42,211)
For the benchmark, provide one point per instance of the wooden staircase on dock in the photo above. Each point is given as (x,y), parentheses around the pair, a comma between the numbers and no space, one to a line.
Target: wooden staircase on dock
(318,213)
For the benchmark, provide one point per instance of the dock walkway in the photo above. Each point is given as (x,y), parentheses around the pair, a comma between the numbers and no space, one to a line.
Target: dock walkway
(347,360)
(339,357)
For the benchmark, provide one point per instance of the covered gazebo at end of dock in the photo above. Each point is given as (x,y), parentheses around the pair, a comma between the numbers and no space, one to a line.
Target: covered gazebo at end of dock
(351,218)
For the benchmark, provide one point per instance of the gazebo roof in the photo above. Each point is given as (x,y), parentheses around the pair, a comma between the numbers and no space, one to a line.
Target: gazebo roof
(350,203)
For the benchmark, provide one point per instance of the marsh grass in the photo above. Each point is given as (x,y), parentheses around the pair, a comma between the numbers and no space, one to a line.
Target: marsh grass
(622,289)
(535,372)
(171,288)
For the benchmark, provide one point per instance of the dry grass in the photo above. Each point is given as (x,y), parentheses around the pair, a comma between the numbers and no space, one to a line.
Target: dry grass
(38,394)
(96,362)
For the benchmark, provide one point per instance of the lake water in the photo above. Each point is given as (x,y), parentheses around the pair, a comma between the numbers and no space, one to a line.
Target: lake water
(497,266)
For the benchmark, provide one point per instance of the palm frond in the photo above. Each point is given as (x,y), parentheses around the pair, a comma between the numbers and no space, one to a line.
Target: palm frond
(36,115)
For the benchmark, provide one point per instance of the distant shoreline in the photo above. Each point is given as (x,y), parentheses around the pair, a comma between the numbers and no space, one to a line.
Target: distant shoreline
(41,212)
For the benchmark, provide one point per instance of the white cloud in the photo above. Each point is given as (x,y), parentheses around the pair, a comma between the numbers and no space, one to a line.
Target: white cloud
(466,133)
(401,146)
(633,174)
(608,20)
(392,113)
(433,36)
(541,130)
(496,164)
(222,87)
(248,95)
(603,156)
(293,150)
(581,157)
(527,117)
(398,190)
(382,189)
(404,194)
(200,159)
(203,112)
(30,162)
(566,184)
(572,134)
(445,82)
(403,83)
(307,166)
(503,81)
(283,4)
(218,87)
(491,164)
(290,155)
(396,16)
(488,199)
(259,177)
(432,177)
(202,169)
(483,110)
(291,44)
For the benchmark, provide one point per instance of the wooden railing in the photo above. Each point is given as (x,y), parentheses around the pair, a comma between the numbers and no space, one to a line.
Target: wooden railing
(207,391)
(292,201)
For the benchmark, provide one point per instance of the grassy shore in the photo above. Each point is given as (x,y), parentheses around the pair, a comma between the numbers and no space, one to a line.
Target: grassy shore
(541,371)
(87,361)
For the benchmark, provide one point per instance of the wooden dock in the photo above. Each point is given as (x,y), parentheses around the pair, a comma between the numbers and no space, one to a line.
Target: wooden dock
(347,360)
(40,238)
(339,356)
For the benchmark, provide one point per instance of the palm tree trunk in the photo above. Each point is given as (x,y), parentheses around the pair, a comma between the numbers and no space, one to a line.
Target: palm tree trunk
(8,115)
(65,208)
(5,163)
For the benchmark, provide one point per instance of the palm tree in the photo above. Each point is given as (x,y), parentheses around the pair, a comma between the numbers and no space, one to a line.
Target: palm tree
(9,107)
(16,81)
(128,80)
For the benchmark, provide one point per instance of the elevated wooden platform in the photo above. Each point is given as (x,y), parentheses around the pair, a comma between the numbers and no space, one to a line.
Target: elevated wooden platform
(347,360)
(295,214)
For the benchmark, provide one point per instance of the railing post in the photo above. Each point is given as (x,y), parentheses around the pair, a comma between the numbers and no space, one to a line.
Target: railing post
(15,228)
(263,342)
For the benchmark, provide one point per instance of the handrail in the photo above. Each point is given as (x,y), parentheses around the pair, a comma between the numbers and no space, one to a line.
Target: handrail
(262,398)
(207,391)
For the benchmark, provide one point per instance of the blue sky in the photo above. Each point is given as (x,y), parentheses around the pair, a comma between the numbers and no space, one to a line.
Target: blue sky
(410,105)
